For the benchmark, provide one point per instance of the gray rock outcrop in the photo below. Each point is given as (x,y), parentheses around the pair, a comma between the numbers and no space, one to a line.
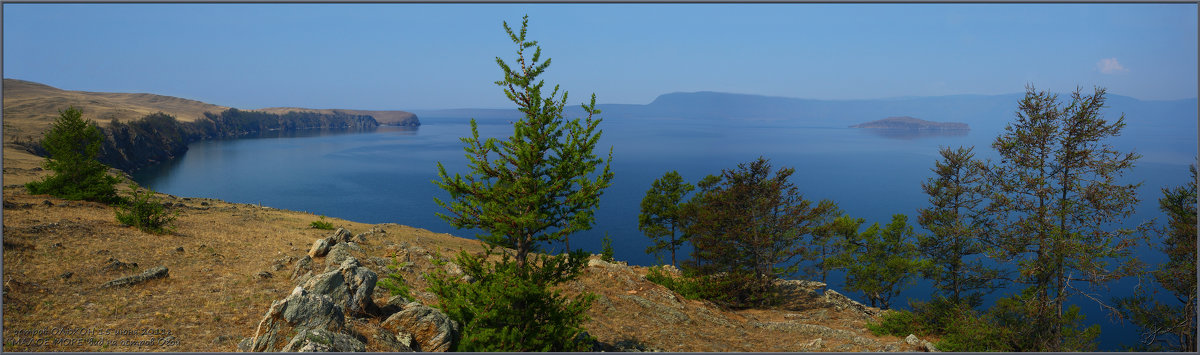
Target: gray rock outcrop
(300,311)
(841,302)
(349,286)
(155,273)
(321,340)
(431,330)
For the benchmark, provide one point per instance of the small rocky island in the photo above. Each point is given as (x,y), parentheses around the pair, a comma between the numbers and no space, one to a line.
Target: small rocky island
(910,123)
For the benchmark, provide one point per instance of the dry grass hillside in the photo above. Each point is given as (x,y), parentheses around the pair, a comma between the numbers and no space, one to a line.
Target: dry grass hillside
(29,107)
(227,262)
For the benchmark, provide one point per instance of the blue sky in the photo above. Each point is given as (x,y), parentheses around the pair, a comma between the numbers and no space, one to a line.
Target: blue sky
(426,56)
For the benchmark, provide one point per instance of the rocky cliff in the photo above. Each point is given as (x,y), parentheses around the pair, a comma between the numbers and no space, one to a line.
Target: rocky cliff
(159,137)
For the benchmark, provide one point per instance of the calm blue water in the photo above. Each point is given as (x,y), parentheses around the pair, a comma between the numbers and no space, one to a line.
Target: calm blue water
(384,175)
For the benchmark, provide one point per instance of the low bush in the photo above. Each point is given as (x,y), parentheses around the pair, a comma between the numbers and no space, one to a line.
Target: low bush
(688,287)
(144,211)
(393,282)
(606,249)
(321,224)
(895,322)
(514,309)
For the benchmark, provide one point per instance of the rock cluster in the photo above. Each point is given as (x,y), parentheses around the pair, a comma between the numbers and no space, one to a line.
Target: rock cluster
(315,317)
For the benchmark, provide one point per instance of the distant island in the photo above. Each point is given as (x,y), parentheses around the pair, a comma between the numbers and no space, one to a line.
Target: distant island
(910,123)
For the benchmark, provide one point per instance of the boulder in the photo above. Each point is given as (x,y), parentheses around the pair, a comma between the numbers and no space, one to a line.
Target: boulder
(302,266)
(430,329)
(319,248)
(155,273)
(337,254)
(341,235)
(912,339)
(349,286)
(302,310)
(321,340)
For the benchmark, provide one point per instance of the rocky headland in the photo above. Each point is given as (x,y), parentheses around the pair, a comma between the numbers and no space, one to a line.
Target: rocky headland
(910,123)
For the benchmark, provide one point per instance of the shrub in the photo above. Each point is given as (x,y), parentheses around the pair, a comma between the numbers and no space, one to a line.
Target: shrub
(144,211)
(511,308)
(606,249)
(688,287)
(73,144)
(321,224)
(393,282)
(893,322)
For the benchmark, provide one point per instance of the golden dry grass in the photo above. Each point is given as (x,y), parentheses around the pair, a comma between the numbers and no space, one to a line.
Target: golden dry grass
(29,107)
(212,297)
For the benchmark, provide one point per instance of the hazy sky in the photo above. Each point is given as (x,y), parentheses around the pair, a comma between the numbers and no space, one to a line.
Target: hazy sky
(423,56)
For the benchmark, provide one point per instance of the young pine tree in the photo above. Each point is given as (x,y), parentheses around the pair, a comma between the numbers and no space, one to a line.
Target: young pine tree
(957,222)
(880,262)
(73,144)
(660,218)
(539,186)
(1054,197)
(1171,326)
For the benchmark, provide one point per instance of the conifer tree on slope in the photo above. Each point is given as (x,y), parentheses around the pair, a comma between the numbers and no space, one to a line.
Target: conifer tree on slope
(957,221)
(1054,196)
(538,186)
(1171,326)
(661,218)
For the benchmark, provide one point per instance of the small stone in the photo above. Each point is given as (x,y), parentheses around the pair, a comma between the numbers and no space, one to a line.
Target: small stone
(930,348)
(263,275)
(66,275)
(912,339)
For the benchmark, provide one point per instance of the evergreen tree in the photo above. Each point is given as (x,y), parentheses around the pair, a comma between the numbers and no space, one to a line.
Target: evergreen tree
(957,220)
(880,262)
(73,143)
(536,187)
(748,228)
(1171,326)
(660,218)
(1054,197)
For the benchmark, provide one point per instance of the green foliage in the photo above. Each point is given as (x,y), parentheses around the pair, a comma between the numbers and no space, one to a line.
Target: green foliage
(1054,197)
(691,288)
(73,144)
(144,211)
(1170,326)
(536,187)
(606,248)
(880,262)
(957,222)
(1028,323)
(321,224)
(748,228)
(660,217)
(513,308)
(956,324)
(393,281)
(898,323)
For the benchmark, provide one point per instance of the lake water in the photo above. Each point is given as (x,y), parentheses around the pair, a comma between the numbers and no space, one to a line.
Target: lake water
(384,175)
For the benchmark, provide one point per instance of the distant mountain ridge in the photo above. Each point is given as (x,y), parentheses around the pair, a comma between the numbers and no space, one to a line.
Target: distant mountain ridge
(905,122)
